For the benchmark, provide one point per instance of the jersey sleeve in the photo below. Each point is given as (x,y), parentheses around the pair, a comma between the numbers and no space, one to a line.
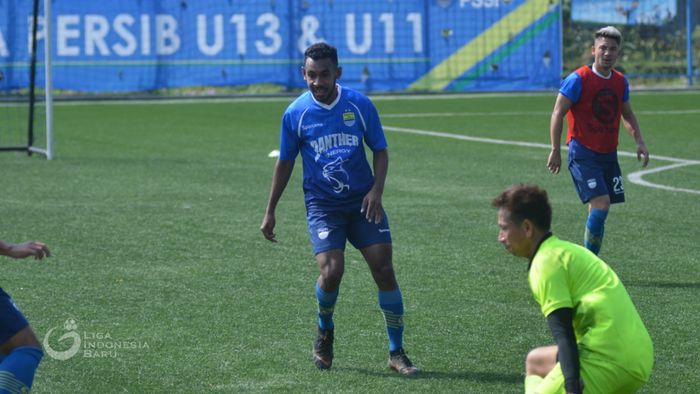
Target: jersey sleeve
(550,285)
(571,87)
(626,95)
(374,134)
(289,139)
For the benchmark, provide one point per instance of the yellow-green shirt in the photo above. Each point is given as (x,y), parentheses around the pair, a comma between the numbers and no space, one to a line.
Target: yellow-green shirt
(606,323)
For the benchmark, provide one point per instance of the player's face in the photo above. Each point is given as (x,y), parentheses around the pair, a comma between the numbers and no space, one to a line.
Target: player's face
(320,76)
(605,51)
(512,235)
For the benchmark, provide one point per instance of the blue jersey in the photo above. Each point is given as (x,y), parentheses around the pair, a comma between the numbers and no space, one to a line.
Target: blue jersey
(331,140)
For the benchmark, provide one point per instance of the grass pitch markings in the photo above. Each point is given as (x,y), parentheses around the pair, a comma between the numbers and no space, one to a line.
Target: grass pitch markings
(634,177)
(522,113)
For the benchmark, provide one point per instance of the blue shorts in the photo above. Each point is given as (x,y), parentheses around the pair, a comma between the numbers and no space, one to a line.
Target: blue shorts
(11,319)
(595,174)
(331,226)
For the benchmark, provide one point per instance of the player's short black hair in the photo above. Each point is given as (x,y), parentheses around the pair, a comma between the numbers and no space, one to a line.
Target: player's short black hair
(322,50)
(609,32)
(526,202)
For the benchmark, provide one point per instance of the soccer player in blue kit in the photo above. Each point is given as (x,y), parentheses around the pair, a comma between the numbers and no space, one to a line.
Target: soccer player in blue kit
(329,125)
(20,350)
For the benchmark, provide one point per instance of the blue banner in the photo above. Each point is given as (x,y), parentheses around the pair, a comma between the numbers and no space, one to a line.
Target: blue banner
(442,45)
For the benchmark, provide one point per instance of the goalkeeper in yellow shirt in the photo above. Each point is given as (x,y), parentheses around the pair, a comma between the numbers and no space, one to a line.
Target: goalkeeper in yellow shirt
(602,345)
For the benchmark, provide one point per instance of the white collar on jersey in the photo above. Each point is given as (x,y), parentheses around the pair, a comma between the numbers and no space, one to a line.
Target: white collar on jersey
(596,72)
(331,105)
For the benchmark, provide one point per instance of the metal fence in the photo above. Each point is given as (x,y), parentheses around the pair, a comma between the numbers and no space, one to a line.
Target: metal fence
(661,38)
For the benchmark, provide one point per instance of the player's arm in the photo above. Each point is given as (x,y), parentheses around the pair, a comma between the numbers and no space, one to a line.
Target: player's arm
(38,250)
(372,203)
(632,126)
(280,178)
(556,124)
(560,324)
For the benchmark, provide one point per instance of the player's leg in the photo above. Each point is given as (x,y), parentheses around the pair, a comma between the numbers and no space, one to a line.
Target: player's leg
(331,265)
(598,208)
(379,260)
(327,233)
(374,242)
(378,257)
(543,374)
(541,360)
(601,377)
(589,179)
(20,347)
(328,236)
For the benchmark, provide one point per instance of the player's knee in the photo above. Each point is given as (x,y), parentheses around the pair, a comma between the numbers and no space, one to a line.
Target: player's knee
(24,338)
(535,363)
(34,342)
(331,276)
(385,271)
(385,277)
(600,202)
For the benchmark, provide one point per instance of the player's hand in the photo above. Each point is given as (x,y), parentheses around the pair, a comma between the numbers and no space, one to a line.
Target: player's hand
(642,151)
(372,206)
(554,161)
(38,250)
(267,227)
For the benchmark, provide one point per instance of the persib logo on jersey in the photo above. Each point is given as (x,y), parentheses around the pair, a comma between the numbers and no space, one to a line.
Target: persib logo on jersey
(349,118)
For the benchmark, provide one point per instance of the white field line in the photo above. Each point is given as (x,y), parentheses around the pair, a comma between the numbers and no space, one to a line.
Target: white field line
(523,113)
(635,177)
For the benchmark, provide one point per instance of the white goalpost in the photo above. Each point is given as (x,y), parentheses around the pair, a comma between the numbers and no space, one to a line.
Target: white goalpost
(48,86)
(26,116)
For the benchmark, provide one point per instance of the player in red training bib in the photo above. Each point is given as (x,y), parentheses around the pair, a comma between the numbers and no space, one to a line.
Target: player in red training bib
(594,98)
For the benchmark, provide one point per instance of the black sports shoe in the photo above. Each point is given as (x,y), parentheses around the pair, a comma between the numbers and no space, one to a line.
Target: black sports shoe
(323,349)
(399,362)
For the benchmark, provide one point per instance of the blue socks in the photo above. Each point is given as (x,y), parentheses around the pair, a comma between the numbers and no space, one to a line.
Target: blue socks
(17,369)
(391,303)
(326,305)
(595,227)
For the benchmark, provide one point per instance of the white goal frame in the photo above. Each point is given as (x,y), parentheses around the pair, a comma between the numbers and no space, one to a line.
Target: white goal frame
(48,85)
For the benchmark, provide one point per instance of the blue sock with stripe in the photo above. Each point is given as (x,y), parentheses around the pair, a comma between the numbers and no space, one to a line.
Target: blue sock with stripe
(17,369)
(326,306)
(391,303)
(595,228)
